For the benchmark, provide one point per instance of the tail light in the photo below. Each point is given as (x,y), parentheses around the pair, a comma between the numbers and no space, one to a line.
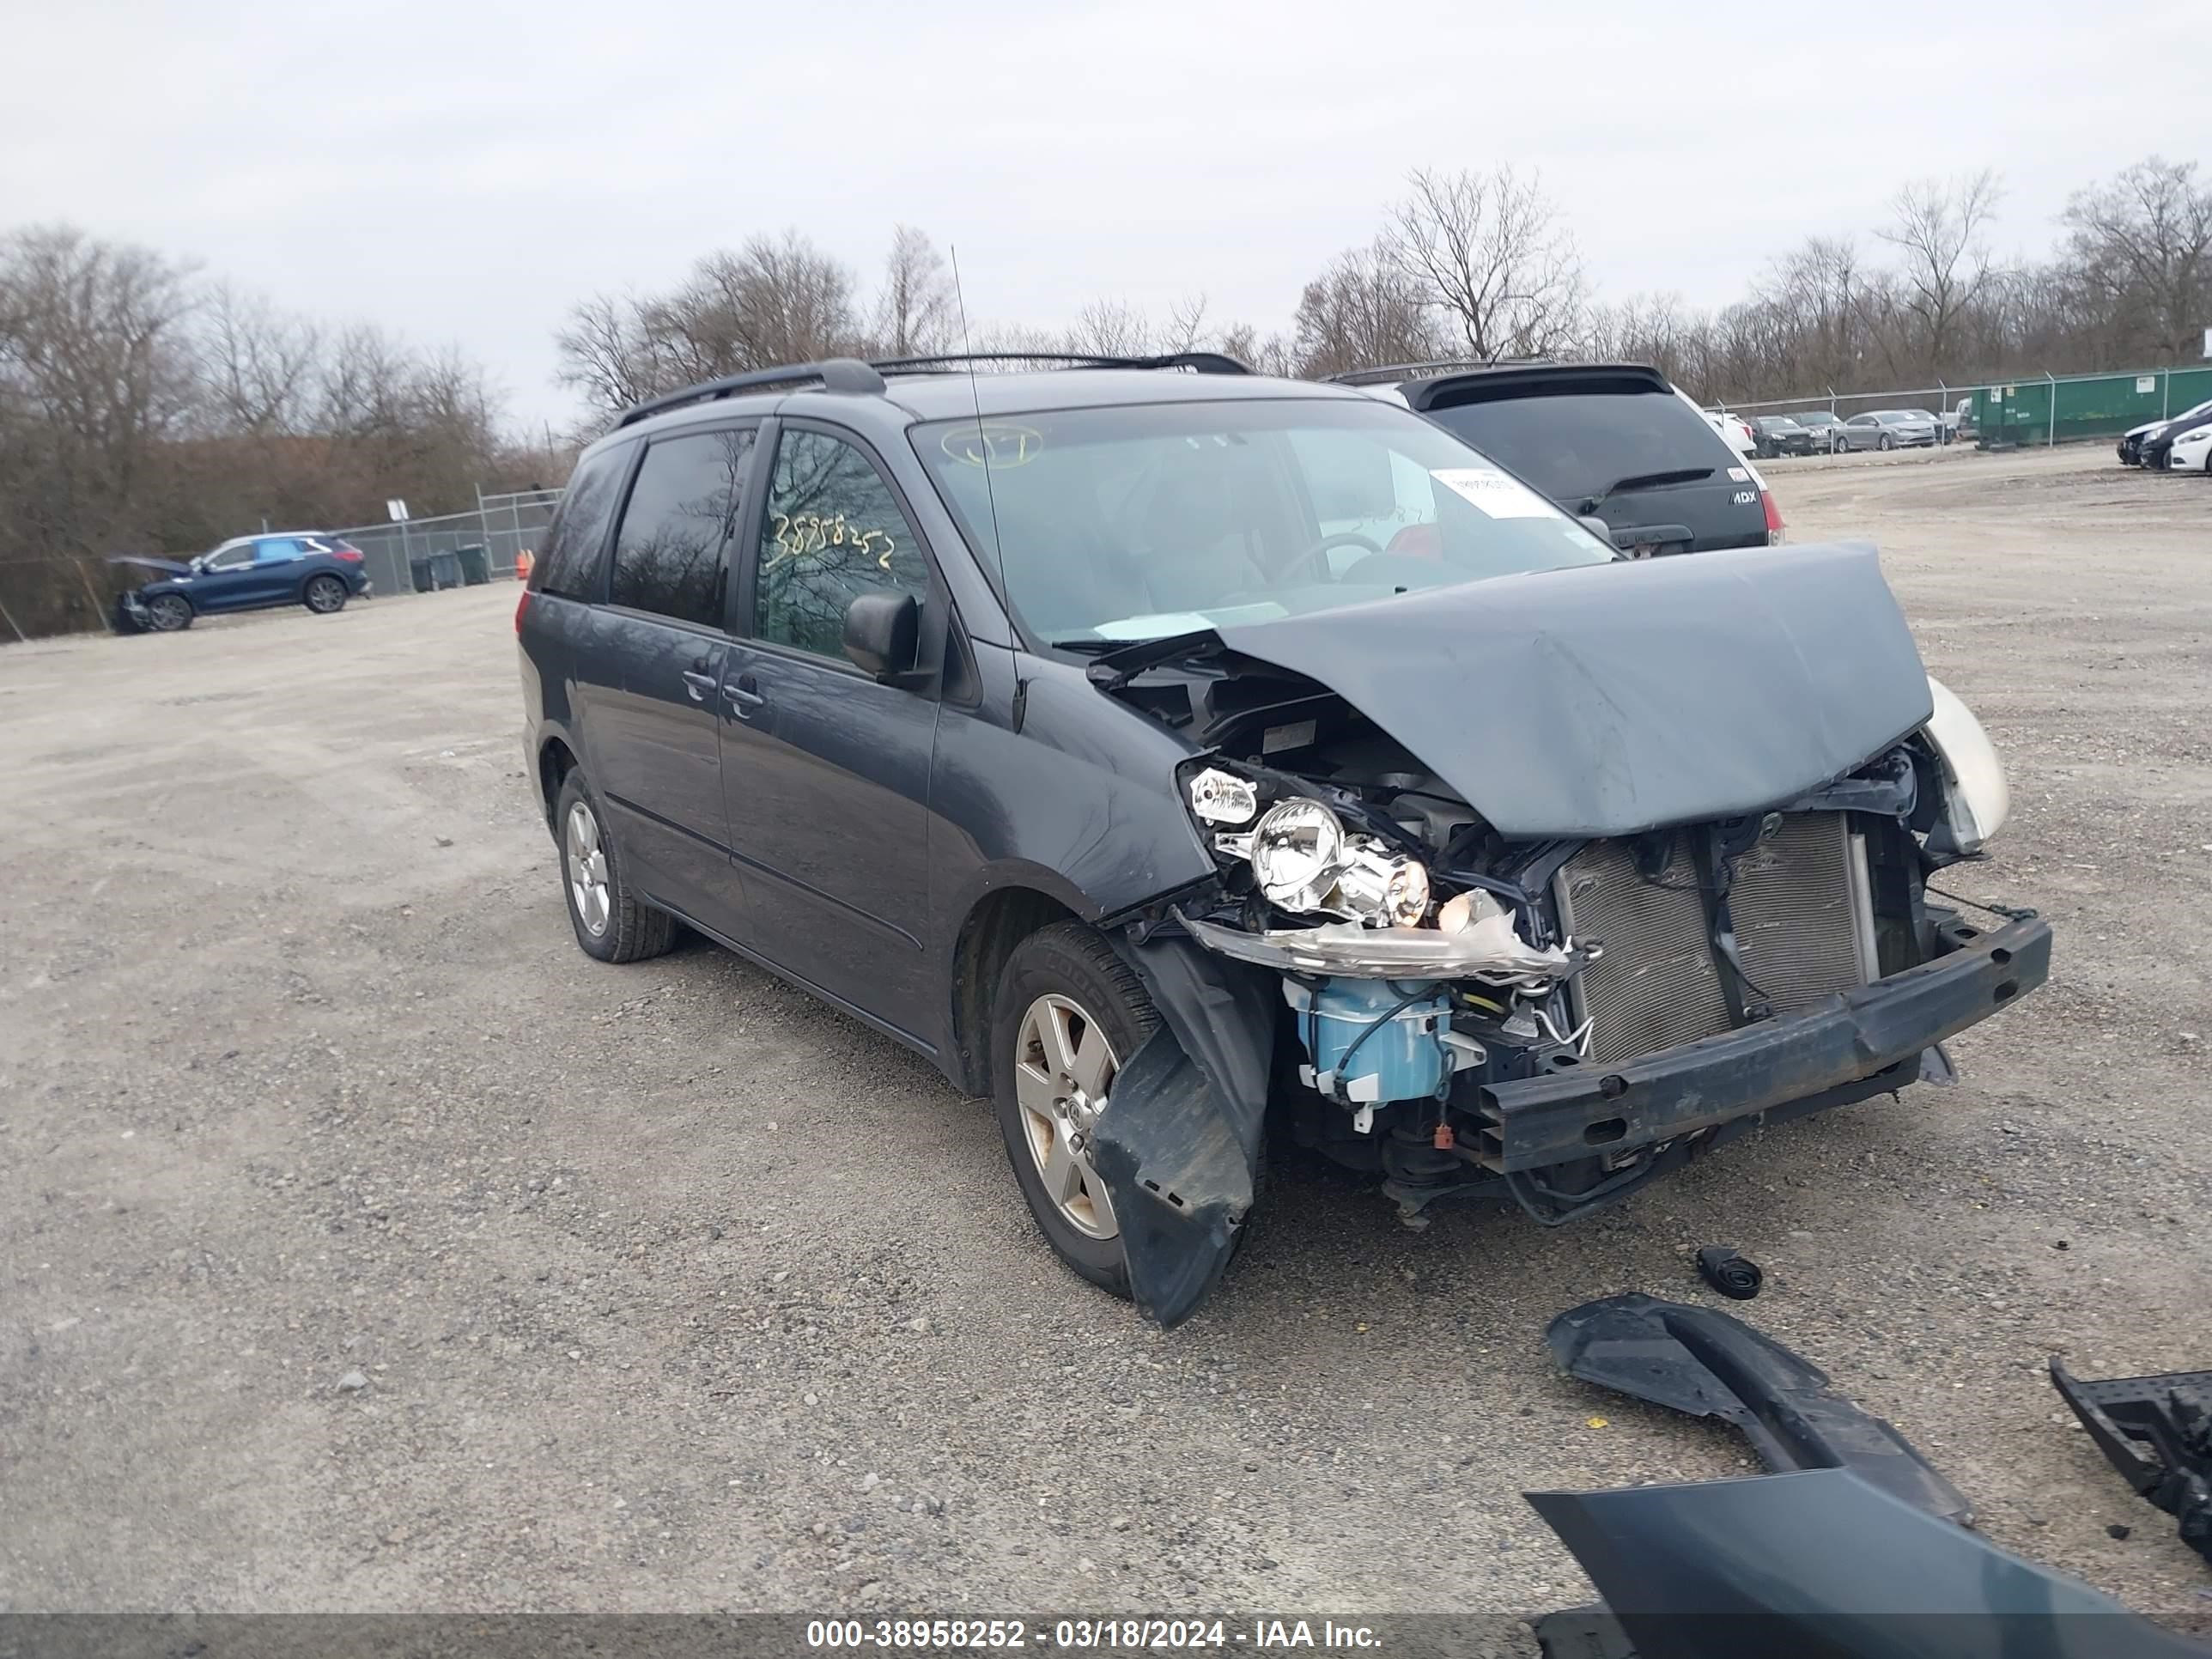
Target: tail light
(350,555)
(1773,518)
(521,609)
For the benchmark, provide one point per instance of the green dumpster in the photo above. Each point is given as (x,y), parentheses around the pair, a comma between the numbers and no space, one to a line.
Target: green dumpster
(432,571)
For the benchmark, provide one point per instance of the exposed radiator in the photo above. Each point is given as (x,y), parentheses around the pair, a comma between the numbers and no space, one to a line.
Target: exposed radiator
(1803,922)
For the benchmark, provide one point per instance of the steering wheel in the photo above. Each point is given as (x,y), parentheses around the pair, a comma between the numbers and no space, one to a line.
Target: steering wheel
(1317,555)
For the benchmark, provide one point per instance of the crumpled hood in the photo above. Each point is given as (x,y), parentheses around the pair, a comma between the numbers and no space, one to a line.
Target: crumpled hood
(146,561)
(1606,700)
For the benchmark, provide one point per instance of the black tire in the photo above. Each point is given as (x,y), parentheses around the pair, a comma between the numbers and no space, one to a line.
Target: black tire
(1883,442)
(1071,960)
(630,930)
(325,595)
(168,613)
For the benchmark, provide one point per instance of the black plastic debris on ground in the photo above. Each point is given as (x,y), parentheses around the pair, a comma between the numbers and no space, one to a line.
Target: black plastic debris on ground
(2157,1432)
(1704,1362)
(1736,1277)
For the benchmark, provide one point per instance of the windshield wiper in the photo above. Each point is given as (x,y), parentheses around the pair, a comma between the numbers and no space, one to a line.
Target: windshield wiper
(1091,645)
(1648,480)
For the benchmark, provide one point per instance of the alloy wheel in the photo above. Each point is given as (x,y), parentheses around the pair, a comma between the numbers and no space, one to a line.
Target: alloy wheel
(167,612)
(324,595)
(586,861)
(1063,1067)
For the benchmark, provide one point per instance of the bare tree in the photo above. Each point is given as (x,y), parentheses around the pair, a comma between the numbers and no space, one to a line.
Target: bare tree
(1110,328)
(2142,242)
(1186,328)
(1270,354)
(1362,311)
(775,301)
(916,313)
(258,364)
(1940,229)
(609,355)
(1488,252)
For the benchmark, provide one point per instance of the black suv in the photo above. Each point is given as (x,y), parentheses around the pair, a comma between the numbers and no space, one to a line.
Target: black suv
(1166,751)
(1610,441)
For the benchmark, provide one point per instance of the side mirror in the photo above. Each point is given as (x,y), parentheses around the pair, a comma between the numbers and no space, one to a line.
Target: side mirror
(881,632)
(1597,527)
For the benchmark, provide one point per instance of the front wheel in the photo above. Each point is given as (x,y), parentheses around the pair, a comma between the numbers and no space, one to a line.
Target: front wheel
(1068,1011)
(168,613)
(611,922)
(323,595)
(1883,442)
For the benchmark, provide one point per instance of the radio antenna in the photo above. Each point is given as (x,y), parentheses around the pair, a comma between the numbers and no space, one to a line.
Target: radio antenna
(982,437)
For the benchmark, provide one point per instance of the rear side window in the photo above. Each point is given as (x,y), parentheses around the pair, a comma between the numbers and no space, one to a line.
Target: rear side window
(568,566)
(1580,440)
(670,552)
(275,550)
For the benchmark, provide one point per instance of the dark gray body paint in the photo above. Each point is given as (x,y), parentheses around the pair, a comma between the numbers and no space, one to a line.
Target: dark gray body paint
(1822,1564)
(1611,699)
(1703,1361)
(1180,1152)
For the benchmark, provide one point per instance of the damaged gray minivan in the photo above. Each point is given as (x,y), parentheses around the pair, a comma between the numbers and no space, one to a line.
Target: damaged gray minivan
(1175,755)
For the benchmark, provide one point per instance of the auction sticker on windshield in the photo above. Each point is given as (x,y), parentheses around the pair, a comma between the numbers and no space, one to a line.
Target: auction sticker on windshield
(1493,492)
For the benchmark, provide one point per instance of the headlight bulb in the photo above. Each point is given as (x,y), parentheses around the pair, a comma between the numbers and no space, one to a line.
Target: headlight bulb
(1220,797)
(1297,847)
(1406,894)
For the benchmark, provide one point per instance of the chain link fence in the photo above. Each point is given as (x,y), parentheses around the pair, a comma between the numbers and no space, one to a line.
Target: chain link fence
(422,555)
(2041,408)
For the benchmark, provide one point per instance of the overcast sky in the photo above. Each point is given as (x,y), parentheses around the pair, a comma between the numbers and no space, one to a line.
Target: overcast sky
(464,172)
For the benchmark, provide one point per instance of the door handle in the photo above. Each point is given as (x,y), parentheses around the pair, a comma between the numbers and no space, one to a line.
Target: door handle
(744,695)
(698,681)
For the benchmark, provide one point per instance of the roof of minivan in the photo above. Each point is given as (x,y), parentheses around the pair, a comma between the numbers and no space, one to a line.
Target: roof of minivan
(944,397)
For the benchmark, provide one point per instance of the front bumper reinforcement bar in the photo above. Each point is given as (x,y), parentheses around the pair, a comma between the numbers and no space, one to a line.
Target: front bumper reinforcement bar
(1844,1048)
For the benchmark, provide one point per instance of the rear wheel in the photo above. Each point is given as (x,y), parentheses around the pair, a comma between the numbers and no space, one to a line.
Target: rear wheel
(611,922)
(167,613)
(1067,1014)
(323,595)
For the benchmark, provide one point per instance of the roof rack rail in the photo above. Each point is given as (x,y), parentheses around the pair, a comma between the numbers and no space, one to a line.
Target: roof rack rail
(851,374)
(1200,362)
(1388,372)
(831,374)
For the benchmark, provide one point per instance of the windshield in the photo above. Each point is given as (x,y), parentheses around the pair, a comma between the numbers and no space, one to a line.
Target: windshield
(1579,440)
(1142,521)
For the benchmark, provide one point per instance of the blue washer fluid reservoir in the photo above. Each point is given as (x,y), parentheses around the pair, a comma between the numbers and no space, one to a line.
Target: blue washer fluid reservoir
(1407,1057)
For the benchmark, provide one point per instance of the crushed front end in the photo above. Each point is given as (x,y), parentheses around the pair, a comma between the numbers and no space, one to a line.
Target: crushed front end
(1555,1020)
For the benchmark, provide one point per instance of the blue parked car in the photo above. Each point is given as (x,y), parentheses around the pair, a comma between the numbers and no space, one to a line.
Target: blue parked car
(250,573)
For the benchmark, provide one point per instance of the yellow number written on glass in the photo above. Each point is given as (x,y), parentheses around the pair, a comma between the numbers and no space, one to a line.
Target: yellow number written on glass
(810,533)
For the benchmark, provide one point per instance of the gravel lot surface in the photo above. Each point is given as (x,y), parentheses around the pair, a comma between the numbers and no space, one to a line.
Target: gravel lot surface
(365,1245)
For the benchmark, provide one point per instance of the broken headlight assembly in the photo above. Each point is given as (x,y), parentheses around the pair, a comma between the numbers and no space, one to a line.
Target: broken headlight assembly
(1977,801)
(1371,902)
(1303,859)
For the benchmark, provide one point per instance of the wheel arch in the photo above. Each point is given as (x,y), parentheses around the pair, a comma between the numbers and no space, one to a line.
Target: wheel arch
(556,760)
(993,927)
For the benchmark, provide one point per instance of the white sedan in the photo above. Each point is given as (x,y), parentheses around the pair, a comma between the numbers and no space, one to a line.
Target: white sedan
(2191,451)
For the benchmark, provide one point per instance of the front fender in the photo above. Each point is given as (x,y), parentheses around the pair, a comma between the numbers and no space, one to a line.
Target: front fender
(1179,1147)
